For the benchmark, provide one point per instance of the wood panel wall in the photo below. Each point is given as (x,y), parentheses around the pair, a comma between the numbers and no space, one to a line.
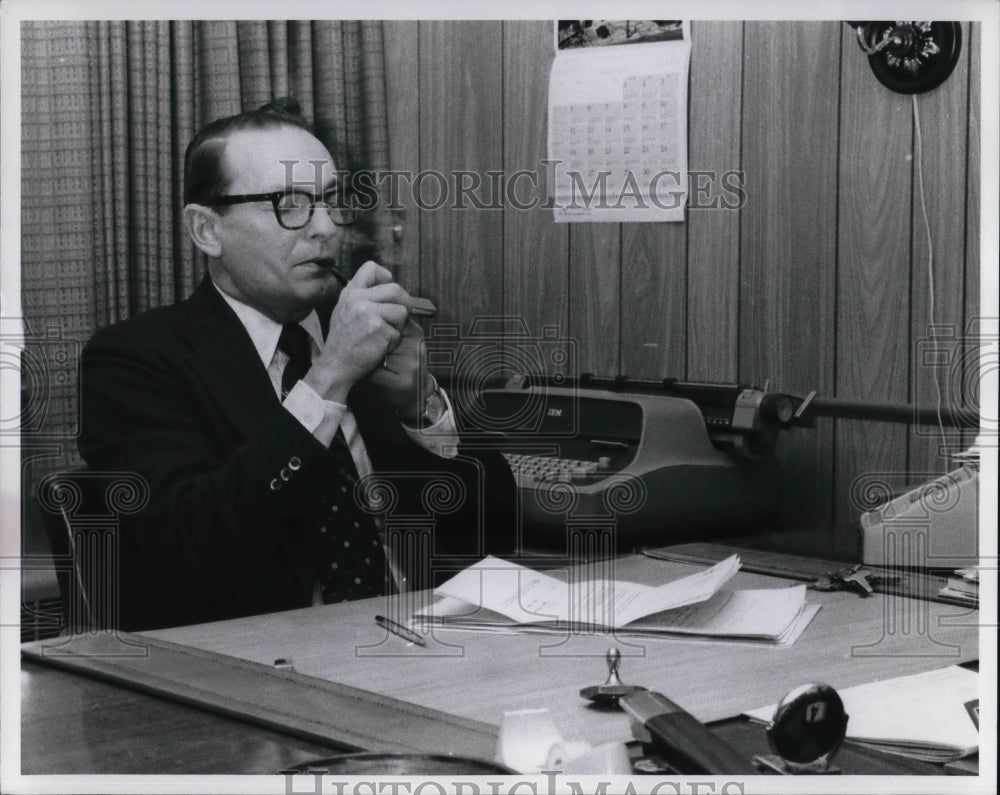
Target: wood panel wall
(818,281)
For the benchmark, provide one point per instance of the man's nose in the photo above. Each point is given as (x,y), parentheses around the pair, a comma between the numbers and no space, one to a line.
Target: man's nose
(321,224)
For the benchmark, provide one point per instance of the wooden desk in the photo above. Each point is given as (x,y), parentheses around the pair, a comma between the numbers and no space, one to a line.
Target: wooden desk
(851,641)
(76,725)
(478,676)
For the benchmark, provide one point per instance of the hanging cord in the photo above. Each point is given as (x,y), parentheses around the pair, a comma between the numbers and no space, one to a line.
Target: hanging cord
(930,260)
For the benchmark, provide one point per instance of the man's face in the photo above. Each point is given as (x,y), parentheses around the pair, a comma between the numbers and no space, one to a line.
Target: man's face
(261,263)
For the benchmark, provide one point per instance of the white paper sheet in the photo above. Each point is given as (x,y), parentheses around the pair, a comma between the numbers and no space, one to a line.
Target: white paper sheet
(528,596)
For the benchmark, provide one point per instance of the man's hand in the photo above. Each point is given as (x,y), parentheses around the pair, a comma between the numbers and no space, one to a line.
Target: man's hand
(402,379)
(366,325)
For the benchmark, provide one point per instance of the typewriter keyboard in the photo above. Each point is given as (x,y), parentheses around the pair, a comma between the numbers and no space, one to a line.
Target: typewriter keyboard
(531,469)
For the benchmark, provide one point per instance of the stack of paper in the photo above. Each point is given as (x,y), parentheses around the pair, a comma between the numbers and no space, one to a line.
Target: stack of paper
(499,596)
(933,716)
(963,585)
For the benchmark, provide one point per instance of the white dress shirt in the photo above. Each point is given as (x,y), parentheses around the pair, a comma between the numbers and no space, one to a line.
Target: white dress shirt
(321,417)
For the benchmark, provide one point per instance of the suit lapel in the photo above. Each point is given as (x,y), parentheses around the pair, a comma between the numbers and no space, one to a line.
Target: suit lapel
(225,359)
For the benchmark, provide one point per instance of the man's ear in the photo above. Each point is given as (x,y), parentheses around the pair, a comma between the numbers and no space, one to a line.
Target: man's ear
(202,224)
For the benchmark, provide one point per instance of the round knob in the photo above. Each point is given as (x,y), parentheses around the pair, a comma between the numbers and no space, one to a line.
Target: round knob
(614,659)
(607,695)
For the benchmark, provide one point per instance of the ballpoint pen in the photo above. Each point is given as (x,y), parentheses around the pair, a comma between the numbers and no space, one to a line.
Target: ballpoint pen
(398,629)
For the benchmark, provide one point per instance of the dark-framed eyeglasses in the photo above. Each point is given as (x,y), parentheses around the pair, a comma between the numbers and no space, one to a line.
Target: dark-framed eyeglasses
(294,208)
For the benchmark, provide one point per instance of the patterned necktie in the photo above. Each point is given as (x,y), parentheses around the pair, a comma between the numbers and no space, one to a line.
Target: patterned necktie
(351,563)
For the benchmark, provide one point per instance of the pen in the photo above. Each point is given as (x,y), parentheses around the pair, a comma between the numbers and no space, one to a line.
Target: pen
(398,629)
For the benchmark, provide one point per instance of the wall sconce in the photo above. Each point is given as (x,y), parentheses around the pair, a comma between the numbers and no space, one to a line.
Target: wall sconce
(910,57)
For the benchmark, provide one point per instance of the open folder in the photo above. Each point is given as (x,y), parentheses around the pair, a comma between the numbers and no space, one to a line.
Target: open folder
(495,595)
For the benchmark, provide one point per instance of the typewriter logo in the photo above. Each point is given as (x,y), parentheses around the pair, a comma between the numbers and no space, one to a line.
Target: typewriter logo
(499,351)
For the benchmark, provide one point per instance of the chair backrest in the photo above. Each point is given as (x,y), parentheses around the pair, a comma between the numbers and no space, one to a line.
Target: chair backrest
(80,511)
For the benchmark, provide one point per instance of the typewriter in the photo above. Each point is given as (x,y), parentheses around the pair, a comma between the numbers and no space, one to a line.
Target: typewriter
(647,461)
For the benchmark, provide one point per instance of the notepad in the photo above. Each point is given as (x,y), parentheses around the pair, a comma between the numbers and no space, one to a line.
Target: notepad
(499,596)
(931,716)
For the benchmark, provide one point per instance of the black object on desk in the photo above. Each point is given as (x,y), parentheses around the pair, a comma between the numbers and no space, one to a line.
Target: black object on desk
(808,727)
(685,743)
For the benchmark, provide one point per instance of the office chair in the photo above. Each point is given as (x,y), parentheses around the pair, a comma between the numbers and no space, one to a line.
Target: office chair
(80,512)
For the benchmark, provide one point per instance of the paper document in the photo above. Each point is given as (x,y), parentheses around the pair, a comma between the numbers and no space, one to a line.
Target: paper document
(498,596)
(931,716)
(527,596)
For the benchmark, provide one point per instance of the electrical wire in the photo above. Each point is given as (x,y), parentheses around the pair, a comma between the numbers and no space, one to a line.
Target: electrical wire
(930,260)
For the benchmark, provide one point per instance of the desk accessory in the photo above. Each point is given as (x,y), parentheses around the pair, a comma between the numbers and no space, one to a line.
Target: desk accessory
(398,629)
(683,742)
(607,695)
(935,525)
(680,739)
(856,578)
(921,716)
(807,729)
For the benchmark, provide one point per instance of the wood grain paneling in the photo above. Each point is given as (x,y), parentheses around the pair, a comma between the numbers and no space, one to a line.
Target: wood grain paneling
(788,236)
(402,53)
(654,300)
(594,296)
(536,250)
(713,232)
(873,299)
(461,130)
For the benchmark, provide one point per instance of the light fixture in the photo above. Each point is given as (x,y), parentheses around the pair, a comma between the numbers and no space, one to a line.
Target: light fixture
(910,57)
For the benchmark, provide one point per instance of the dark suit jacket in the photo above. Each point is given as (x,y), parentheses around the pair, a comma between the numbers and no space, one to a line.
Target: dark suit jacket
(178,396)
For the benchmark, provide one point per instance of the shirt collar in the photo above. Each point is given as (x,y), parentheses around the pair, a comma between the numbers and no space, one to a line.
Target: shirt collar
(264,331)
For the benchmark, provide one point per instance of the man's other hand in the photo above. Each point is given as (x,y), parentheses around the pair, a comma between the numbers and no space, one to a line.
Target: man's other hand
(401,379)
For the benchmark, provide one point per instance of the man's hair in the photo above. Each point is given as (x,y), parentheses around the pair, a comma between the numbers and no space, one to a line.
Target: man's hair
(205,174)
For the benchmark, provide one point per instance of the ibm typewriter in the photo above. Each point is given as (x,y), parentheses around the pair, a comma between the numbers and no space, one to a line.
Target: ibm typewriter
(647,461)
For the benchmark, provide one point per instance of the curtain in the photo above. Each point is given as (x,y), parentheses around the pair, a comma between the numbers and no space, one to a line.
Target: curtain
(107,111)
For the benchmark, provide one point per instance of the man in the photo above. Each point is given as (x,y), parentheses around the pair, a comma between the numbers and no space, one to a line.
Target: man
(257,416)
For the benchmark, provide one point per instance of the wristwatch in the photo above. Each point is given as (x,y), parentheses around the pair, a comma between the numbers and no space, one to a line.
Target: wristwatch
(434,407)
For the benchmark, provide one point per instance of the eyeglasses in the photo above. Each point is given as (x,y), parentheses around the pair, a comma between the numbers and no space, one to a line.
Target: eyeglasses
(294,208)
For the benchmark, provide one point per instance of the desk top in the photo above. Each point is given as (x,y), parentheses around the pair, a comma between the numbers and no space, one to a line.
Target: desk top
(478,676)
(74,725)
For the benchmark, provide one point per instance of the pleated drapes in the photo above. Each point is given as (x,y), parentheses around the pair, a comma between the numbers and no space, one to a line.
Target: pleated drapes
(107,111)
